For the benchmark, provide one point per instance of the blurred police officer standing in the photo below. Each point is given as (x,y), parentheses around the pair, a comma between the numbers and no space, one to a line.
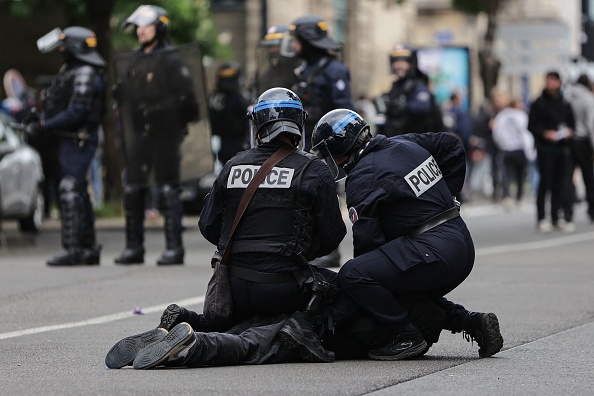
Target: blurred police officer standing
(323,81)
(156,101)
(227,108)
(73,108)
(411,107)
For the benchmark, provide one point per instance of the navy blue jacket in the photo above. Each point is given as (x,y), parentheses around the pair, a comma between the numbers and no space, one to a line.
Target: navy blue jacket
(400,182)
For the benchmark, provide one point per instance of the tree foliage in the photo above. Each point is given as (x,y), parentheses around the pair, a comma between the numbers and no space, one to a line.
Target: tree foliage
(191,20)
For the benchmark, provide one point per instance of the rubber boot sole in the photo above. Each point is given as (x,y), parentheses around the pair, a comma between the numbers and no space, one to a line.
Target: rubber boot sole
(169,349)
(170,317)
(124,352)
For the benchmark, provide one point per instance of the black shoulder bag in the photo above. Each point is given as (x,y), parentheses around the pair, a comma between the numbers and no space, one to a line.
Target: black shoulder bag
(218,302)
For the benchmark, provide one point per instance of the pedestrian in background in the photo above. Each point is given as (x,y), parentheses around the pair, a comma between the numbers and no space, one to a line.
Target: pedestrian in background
(511,135)
(551,121)
(581,98)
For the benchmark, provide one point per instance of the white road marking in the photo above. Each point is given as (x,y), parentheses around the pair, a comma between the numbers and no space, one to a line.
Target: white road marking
(544,244)
(99,319)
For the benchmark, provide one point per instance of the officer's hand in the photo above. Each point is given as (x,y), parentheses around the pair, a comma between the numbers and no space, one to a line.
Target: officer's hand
(34,130)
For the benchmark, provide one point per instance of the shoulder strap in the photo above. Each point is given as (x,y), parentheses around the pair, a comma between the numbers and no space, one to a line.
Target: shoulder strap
(253,185)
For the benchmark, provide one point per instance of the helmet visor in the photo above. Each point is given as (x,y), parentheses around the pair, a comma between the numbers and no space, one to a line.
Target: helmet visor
(322,151)
(143,16)
(50,41)
(287,45)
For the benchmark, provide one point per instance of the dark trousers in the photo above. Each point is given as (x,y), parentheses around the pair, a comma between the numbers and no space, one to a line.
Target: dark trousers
(433,263)
(514,169)
(582,155)
(555,168)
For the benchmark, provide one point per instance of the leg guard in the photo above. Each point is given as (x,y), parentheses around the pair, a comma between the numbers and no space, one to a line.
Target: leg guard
(71,210)
(91,251)
(169,204)
(134,212)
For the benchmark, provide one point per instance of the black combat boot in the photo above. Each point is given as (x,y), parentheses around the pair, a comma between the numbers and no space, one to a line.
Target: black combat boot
(484,329)
(299,333)
(406,343)
(71,213)
(171,210)
(174,315)
(134,211)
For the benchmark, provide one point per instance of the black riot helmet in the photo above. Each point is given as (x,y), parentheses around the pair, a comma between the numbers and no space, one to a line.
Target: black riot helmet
(274,36)
(310,30)
(405,53)
(228,75)
(340,135)
(146,15)
(76,41)
(277,111)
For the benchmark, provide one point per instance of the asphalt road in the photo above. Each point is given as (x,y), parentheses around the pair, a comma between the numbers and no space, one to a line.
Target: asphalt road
(56,324)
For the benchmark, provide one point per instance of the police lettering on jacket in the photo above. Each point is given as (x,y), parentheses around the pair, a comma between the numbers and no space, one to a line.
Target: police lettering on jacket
(424,176)
(241,175)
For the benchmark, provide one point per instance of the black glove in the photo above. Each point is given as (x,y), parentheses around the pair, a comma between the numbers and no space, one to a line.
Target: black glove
(34,130)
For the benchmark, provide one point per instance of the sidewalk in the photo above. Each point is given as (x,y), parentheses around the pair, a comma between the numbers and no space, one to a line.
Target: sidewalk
(560,364)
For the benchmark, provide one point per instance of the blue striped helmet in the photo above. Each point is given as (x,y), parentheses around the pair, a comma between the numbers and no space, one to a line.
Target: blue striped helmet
(337,132)
(277,111)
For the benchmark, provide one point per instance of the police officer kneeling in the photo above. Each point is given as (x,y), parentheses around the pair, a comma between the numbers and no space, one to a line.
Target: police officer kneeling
(407,232)
(293,217)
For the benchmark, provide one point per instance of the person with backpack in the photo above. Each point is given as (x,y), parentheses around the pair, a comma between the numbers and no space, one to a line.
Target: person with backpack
(411,107)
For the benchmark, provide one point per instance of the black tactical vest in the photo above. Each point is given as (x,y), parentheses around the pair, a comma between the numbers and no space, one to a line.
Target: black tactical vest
(76,83)
(279,219)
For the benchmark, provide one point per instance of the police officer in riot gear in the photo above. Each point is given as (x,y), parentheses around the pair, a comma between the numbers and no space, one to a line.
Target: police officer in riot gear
(73,108)
(410,105)
(273,68)
(294,220)
(407,233)
(226,110)
(323,81)
(156,96)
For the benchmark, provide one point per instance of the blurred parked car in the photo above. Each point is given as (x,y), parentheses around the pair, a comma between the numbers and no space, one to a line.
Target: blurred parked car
(21,178)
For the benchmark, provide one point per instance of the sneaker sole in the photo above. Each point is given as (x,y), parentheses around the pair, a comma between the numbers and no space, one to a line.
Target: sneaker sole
(125,351)
(159,352)
(170,316)
(296,341)
(418,350)
(490,326)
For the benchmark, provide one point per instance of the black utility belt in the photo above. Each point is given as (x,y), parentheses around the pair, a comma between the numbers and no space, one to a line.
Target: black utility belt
(260,277)
(435,221)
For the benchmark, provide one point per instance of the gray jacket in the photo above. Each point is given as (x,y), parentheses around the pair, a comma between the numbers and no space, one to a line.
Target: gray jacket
(582,102)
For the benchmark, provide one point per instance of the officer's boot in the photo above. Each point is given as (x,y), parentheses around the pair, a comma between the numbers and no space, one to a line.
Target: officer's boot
(299,332)
(174,315)
(134,211)
(170,207)
(405,343)
(71,208)
(484,329)
(91,251)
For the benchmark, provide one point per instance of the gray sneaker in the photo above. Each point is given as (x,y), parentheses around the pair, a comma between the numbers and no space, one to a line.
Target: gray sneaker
(123,353)
(173,350)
